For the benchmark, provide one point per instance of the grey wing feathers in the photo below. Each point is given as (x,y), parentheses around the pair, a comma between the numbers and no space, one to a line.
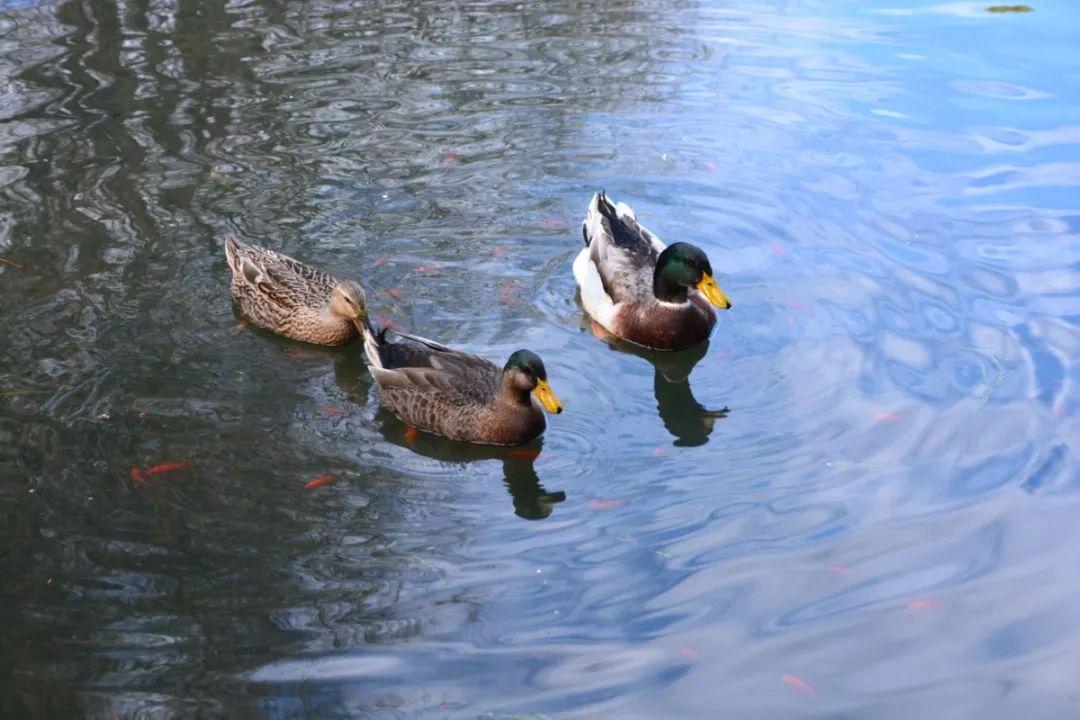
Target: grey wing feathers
(620,228)
(421,365)
(623,251)
(431,345)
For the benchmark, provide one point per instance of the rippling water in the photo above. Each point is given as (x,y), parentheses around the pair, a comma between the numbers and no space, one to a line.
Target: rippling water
(880,525)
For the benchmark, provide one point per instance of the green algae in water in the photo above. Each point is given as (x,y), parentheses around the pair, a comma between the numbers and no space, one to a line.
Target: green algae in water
(1009,9)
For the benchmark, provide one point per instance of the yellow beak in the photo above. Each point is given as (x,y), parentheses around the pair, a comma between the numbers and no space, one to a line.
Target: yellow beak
(712,292)
(547,398)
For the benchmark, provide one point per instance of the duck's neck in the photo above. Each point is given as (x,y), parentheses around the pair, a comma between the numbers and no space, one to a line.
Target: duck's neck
(512,394)
(665,287)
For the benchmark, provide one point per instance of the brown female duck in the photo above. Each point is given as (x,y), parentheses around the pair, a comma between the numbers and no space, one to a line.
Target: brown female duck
(640,289)
(457,395)
(298,301)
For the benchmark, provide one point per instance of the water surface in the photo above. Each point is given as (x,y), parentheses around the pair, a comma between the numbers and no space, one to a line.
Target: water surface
(858,501)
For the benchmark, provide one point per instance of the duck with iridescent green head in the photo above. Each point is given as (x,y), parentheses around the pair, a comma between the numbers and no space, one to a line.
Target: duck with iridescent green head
(639,289)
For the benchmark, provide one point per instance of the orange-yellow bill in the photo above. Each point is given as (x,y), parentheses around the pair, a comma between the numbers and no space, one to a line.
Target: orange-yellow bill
(547,398)
(712,292)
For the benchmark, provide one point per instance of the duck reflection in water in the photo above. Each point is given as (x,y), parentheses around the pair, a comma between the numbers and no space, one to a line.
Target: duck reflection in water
(531,500)
(688,421)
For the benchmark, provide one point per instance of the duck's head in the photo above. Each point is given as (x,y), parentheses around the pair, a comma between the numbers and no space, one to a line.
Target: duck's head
(525,372)
(348,301)
(681,267)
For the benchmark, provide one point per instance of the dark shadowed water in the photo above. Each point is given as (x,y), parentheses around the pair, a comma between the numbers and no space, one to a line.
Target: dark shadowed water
(882,525)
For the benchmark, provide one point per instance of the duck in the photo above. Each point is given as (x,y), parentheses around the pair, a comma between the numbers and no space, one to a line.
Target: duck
(638,288)
(458,395)
(290,298)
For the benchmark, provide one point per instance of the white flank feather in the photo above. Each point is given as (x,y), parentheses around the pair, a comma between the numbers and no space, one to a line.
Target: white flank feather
(594,298)
(371,349)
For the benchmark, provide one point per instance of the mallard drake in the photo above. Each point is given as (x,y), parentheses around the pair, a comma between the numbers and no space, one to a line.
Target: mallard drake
(457,395)
(640,289)
(298,301)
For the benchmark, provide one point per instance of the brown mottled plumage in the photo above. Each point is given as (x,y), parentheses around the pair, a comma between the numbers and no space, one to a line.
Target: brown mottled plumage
(457,395)
(296,300)
(638,288)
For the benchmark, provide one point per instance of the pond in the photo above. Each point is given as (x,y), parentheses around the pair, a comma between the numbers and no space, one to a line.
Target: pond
(859,500)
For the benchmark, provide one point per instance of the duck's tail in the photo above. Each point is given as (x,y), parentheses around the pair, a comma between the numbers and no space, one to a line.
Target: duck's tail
(600,207)
(374,340)
(238,251)
(370,327)
(232,251)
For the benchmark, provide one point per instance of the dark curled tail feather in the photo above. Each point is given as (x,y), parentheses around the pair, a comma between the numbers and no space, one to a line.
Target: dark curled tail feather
(605,207)
(375,340)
